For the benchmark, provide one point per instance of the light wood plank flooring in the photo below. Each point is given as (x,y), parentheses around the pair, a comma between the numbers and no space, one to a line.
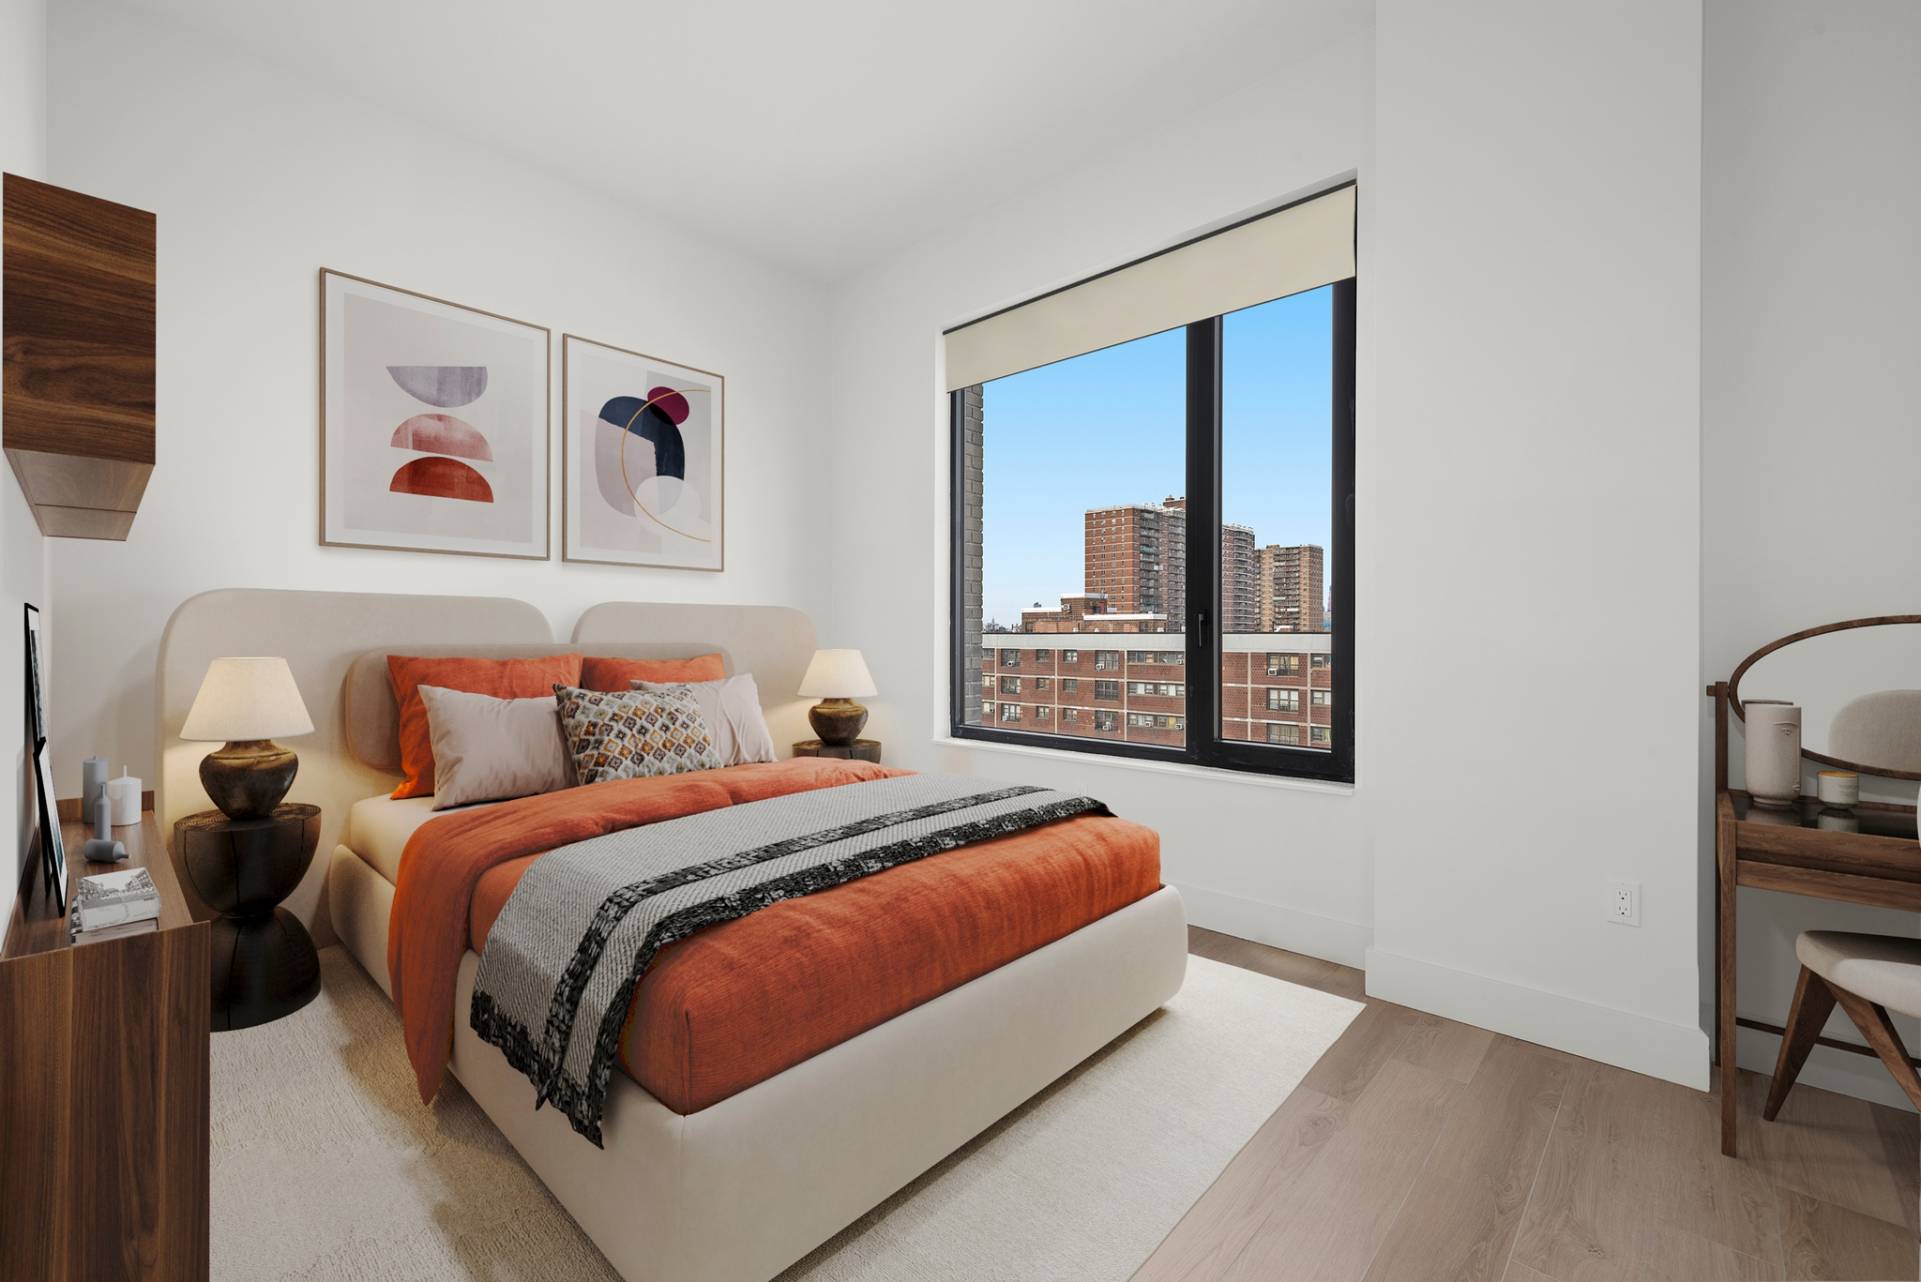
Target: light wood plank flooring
(1419,1149)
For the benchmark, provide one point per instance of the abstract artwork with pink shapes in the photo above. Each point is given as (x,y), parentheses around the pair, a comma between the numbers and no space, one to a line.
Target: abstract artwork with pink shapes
(434,424)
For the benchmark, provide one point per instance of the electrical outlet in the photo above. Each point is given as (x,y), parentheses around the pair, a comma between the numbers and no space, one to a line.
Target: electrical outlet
(1624,903)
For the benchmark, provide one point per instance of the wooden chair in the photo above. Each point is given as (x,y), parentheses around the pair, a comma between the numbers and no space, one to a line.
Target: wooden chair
(1869,975)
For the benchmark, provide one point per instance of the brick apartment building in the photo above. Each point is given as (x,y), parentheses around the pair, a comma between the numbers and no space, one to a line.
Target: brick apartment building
(1135,557)
(1291,587)
(1240,580)
(1274,689)
(1088,612)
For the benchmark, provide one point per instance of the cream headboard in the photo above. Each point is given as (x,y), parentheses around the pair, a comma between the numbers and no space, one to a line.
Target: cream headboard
(337,643)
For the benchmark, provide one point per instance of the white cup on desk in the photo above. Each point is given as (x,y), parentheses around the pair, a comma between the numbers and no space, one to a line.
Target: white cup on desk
(1840,789)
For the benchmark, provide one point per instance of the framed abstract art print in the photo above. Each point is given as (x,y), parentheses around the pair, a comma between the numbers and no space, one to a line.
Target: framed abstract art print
(434,431)
(642,460)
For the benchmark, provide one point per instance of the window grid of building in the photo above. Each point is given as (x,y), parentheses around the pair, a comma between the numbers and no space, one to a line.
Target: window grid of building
(1268,695)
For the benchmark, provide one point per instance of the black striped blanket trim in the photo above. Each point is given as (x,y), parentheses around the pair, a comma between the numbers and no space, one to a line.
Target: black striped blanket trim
(583,1103)
(564,1008)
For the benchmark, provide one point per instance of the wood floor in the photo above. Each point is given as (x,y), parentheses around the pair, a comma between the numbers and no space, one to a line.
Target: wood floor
(1419,1148)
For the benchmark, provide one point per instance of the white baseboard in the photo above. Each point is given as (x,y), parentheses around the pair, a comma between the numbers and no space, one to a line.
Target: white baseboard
(1299,932)
(1673,1052)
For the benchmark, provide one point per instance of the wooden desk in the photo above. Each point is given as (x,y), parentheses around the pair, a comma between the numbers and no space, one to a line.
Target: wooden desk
(103,1101)
(1867,855)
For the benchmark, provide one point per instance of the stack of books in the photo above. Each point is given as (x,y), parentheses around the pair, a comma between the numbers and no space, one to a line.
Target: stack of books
(114,904)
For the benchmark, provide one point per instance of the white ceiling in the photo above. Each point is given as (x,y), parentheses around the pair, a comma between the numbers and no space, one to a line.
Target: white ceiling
(815,133)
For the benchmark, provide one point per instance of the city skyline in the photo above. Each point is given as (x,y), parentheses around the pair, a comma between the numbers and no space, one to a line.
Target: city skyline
(1107,430)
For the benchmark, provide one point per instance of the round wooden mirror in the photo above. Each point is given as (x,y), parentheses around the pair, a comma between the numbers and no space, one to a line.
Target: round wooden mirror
(1858,683)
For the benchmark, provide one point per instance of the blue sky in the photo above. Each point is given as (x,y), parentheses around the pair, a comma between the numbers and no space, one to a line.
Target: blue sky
(1109,428)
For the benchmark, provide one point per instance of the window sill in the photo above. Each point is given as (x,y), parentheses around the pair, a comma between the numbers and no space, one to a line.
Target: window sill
(1179,769)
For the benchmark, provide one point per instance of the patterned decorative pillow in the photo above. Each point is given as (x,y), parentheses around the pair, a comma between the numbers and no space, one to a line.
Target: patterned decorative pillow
(634,734)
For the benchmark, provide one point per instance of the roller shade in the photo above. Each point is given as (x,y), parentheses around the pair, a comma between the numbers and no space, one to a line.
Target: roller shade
(1303,246)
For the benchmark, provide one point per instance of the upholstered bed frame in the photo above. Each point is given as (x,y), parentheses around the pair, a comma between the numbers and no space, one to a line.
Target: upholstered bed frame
(740,1190)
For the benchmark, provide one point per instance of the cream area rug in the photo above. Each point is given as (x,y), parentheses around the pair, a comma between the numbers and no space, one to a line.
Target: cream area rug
(327,1166)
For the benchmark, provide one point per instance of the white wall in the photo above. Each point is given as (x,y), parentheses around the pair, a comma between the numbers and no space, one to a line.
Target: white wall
(1811,434)
(1533,693)
(1513,492)
(23,555)
(259,178)
(1284,863)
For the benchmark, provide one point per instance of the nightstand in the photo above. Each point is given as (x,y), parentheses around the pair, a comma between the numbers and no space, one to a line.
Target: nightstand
(859,750)
(264,961)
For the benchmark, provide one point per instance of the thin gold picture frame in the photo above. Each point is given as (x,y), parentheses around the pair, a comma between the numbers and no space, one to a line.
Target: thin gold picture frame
(566,456)
(547,410)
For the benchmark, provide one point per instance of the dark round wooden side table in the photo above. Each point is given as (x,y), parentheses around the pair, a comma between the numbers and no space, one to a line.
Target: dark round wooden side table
(264,964)
(858,750)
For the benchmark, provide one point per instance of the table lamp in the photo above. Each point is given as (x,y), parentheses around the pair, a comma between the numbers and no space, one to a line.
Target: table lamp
(837,678)
(244,704)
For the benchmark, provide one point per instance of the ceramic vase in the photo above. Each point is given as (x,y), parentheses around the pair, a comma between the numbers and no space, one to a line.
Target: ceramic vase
(1773,752)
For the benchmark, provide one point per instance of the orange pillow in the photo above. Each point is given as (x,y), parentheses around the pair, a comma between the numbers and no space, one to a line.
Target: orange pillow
(501,678)
(620,674)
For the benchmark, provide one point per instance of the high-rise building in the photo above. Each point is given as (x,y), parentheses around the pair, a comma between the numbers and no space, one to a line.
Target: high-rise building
(1240,580)
(1291,589)
(1136,557)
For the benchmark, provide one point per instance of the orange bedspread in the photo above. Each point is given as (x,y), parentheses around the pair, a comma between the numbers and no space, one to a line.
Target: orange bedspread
(742,1001)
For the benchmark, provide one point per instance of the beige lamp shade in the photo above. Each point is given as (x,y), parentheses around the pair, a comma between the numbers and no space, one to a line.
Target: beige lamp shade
(837,674)
(249,698)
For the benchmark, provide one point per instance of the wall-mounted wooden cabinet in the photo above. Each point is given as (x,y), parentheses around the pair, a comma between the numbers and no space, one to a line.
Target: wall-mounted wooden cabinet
(77,409)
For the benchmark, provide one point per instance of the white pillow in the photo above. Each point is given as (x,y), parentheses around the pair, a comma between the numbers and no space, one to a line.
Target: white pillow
(488,749)
(731,709)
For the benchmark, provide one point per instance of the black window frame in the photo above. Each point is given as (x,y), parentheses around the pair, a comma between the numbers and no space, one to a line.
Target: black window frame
(1205,744)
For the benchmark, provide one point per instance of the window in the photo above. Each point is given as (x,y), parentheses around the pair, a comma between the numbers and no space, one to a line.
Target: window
(1041,712)
(1010,712)
(1010,685)
(1196,475)
(1010,658)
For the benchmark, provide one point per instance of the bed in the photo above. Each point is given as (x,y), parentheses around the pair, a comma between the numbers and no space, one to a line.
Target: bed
(757,1142)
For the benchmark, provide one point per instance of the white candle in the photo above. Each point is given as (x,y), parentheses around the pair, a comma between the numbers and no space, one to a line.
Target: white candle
(124,793)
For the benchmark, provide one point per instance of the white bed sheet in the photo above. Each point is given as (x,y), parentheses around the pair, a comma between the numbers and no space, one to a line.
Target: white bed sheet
(378,828)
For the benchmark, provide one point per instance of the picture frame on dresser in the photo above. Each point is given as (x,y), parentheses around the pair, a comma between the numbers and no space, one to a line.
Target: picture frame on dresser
(643,459)
(435,424)
(53,848)
(53,854)
(36,698)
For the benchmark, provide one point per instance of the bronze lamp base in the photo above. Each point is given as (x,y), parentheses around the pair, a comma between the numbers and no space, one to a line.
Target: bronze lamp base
(248,777)
(837,722)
